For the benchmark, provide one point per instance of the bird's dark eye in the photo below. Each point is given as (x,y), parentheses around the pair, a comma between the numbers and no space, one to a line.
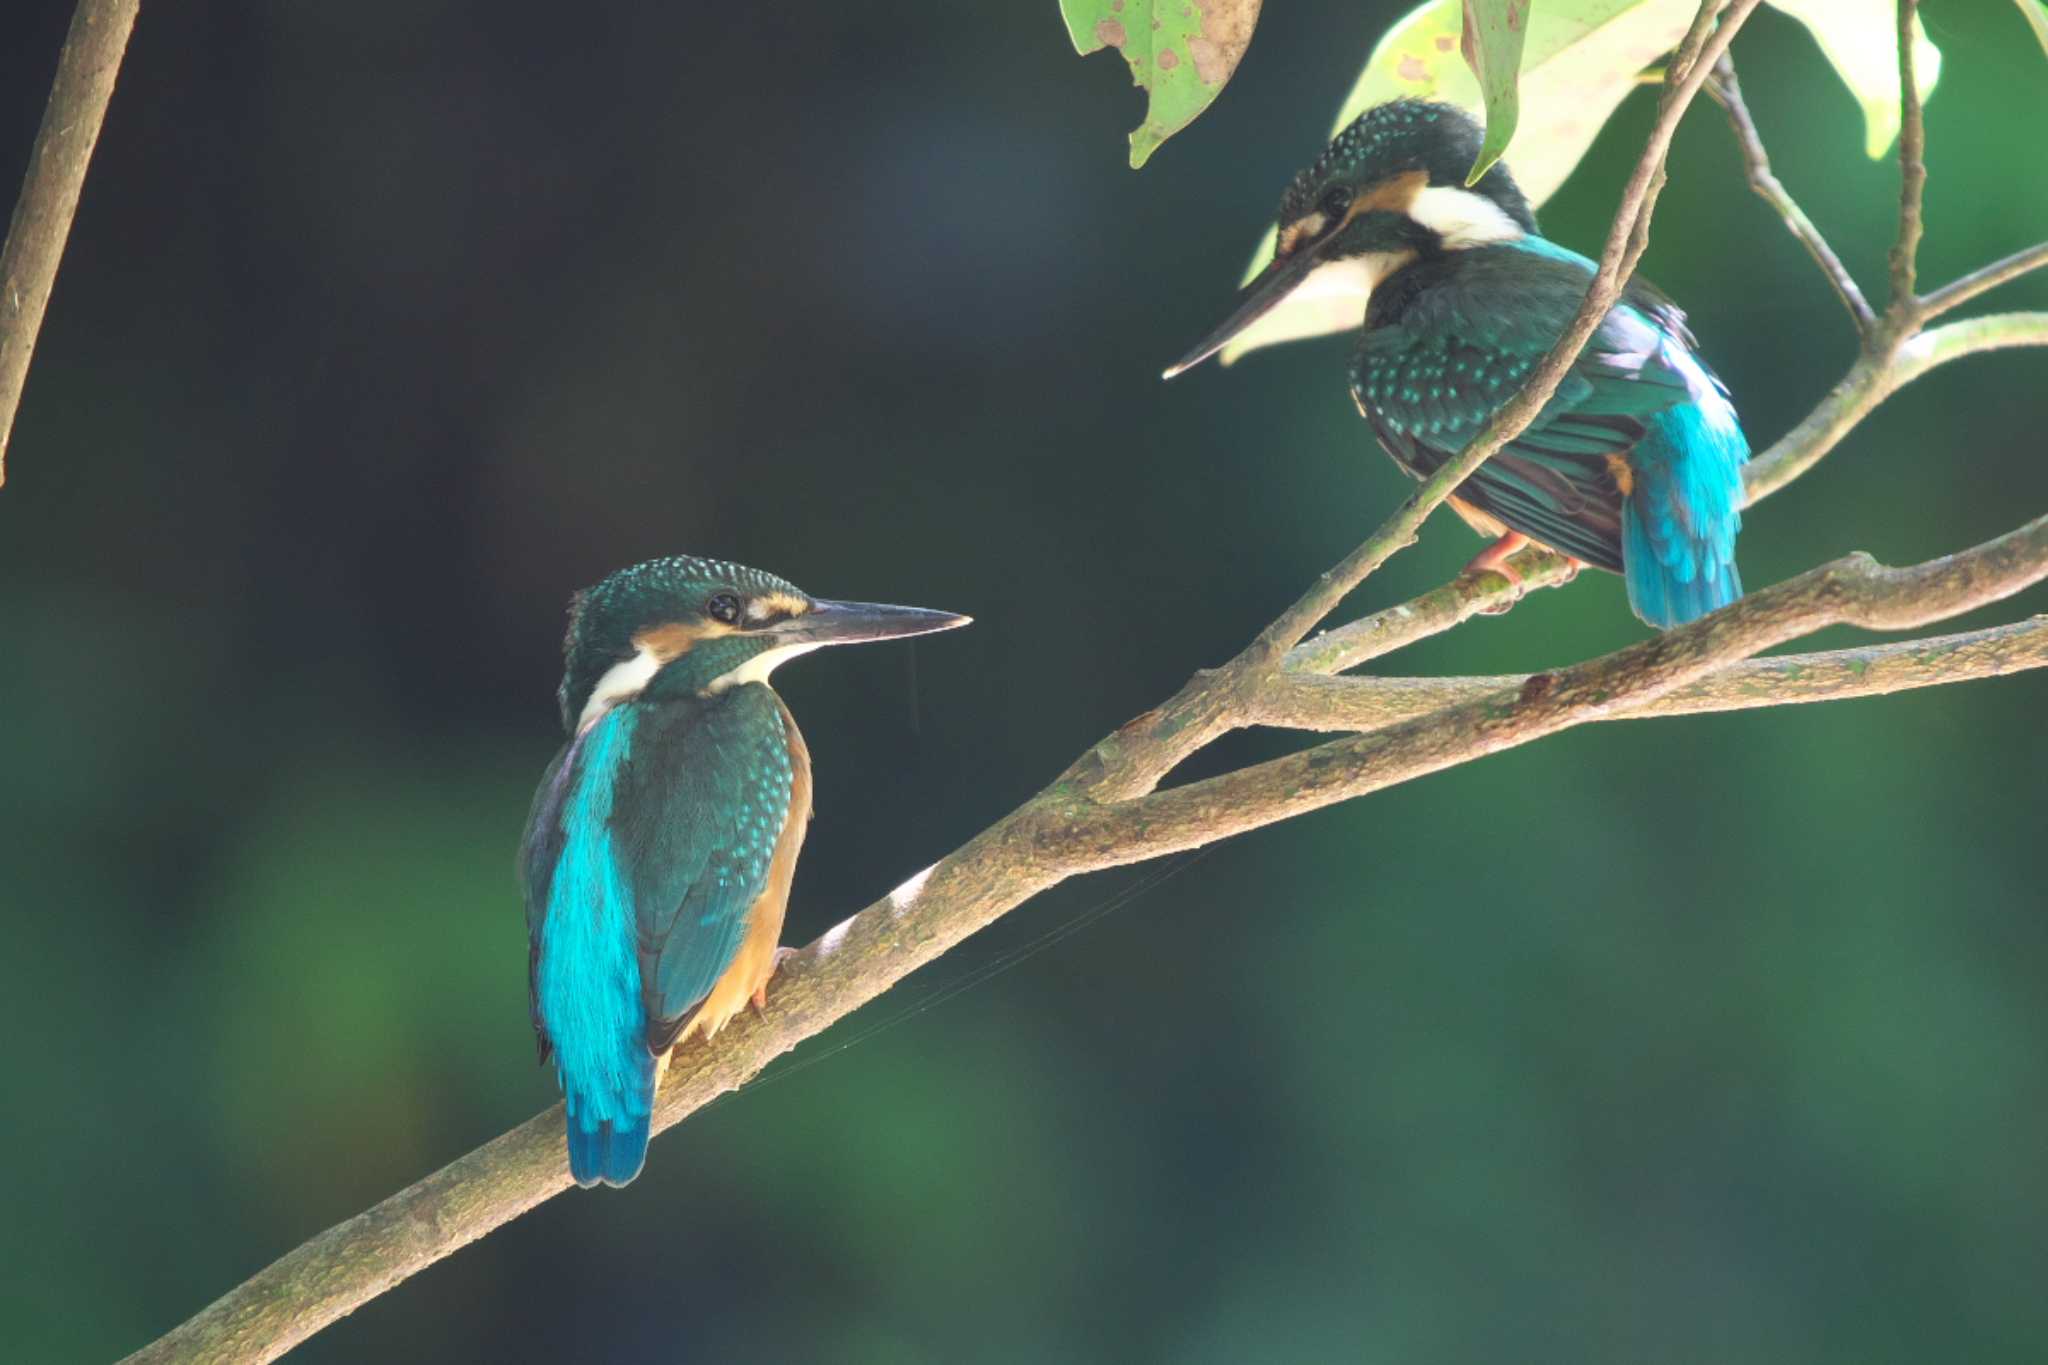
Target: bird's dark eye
(1335,200)
(724,607)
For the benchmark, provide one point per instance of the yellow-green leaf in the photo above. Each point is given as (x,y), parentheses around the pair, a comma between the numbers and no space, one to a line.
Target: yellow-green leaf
(1860,39)
(2036,13)
(1492,46)
(1181,52)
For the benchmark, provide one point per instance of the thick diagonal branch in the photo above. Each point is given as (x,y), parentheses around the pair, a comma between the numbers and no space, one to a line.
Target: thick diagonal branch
(1053,837)
(49,194)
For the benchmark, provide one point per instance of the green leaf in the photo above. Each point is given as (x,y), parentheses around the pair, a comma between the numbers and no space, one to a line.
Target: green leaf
(1181,52)
(1491,43)
(1860,39)
(2036,13)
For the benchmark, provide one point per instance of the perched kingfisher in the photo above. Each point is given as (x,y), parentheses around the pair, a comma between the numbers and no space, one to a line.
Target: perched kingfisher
(657,858)
(1635,466)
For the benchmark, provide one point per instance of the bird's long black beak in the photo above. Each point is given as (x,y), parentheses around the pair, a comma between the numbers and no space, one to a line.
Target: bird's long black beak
(847,623)
(1260,296)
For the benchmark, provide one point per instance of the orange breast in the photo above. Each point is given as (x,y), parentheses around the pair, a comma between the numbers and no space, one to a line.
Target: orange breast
(755,962)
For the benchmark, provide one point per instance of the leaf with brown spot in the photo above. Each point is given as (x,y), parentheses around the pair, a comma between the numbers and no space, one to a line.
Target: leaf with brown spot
(1181,53)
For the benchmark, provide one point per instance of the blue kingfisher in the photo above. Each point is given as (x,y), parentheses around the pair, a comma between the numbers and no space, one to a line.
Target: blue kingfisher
(657,858)
(1635,466)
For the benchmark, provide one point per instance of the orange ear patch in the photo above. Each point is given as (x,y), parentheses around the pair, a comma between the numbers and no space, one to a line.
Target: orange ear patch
(1396,193)
(775,605)
(676,638)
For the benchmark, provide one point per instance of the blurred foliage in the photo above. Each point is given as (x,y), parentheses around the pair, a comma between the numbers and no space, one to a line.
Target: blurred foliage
(384,326)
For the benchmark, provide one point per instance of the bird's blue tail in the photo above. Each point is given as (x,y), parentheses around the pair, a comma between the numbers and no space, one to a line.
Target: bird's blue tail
(609,1150)
(587,980)
(1684,509)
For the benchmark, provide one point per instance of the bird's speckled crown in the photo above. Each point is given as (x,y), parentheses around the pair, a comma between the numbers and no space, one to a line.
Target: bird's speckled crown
(604,619)
(1406,135)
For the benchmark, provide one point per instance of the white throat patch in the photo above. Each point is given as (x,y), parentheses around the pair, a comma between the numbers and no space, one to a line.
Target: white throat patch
(621,682)
(757,669)
(1339,290)
(628,679)
(1461,217)
(1346,284)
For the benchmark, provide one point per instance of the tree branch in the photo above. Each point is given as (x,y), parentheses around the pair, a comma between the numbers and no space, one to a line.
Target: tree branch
(1438,610)
(49,193)
(1306,701)
(1912,171)
(1727,92)
(1856,590)
(1876,377)
(1977,281)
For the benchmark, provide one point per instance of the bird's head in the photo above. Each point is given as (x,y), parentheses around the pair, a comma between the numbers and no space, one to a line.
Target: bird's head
(687,625)
(1388,190)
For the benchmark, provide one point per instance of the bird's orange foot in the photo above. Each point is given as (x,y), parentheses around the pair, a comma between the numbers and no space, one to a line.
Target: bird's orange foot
(1494,559)
(760,1000)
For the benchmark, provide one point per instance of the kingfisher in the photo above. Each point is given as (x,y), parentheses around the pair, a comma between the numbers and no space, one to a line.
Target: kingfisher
(657,858)
(1634,466)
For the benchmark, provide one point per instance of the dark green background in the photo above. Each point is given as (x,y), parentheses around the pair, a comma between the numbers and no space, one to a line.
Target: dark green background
(386,325)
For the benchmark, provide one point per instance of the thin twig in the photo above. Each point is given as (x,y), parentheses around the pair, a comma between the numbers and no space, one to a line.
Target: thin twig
(1874,378)
(1912,170)
(86,69)
(1306,701)
(1977,281)
(1728,92)
(1438,610)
